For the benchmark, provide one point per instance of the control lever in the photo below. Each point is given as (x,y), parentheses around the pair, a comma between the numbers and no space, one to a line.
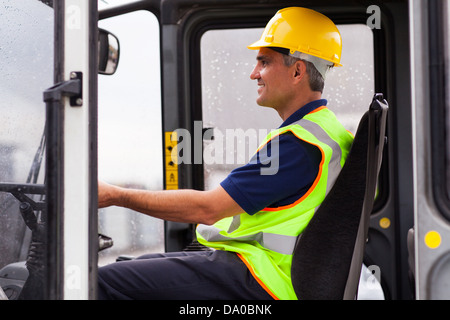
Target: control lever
(28,215)
(104,242)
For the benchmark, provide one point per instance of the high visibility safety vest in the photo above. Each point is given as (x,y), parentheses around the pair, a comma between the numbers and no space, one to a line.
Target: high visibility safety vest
(266,240)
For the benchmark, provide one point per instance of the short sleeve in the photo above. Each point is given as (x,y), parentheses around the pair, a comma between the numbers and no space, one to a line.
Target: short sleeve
(279,174)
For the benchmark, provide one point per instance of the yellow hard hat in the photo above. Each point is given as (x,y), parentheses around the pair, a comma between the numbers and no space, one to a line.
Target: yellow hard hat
(305,31)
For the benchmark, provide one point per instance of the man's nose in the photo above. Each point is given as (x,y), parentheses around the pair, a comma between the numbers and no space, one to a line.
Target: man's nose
(255,74)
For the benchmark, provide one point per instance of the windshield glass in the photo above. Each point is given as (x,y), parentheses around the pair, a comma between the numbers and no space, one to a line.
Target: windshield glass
(26,66)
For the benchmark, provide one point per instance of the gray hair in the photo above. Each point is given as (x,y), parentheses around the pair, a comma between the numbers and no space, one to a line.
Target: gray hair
(316,81)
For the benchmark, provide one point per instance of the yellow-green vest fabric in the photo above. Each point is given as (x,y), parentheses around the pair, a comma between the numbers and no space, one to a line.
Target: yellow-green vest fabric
(265,240)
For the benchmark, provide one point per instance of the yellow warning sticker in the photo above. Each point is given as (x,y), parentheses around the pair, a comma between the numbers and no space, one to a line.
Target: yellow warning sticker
(171,160)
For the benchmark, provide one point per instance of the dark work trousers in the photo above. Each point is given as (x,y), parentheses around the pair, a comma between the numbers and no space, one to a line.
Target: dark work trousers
(195,275)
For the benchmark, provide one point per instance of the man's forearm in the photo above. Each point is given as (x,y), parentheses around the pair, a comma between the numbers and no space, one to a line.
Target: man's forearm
(172,205)
(190,206)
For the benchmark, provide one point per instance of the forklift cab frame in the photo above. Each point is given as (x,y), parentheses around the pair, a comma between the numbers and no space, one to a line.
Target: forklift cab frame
(407,66)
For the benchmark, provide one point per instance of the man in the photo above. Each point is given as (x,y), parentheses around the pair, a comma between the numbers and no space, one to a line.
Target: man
(252,220)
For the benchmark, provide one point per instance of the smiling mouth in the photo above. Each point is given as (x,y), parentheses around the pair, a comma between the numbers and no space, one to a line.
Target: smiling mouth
(260,86)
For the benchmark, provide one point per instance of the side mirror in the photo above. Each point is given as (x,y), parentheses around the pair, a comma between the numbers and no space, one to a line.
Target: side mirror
(108,52)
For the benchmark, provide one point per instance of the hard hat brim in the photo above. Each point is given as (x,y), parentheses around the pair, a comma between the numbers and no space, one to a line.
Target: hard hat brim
(263,44)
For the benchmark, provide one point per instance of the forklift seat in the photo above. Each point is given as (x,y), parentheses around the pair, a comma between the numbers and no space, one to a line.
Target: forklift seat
(329,253)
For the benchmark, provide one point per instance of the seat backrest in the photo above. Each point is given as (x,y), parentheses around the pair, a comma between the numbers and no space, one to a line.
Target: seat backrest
(329,253)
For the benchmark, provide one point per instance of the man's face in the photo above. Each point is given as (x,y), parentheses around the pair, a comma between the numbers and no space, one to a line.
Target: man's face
(272,76)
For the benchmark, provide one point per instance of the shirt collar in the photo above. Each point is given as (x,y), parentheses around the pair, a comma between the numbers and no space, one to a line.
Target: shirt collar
(303,111)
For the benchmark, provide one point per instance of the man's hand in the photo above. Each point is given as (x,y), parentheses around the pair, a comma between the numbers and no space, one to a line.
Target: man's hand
(106,194)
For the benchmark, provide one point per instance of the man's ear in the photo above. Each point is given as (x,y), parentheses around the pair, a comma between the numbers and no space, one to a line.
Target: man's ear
(299,70)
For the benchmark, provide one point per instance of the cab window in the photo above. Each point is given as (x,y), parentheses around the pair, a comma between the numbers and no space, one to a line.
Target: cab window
(228,93)
(26,65)
(129,133)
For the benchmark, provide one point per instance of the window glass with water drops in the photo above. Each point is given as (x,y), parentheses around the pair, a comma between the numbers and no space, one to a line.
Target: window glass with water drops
(26,66)
(229,95)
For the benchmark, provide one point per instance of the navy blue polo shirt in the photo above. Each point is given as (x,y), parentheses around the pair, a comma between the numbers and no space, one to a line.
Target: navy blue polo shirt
(298,165)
